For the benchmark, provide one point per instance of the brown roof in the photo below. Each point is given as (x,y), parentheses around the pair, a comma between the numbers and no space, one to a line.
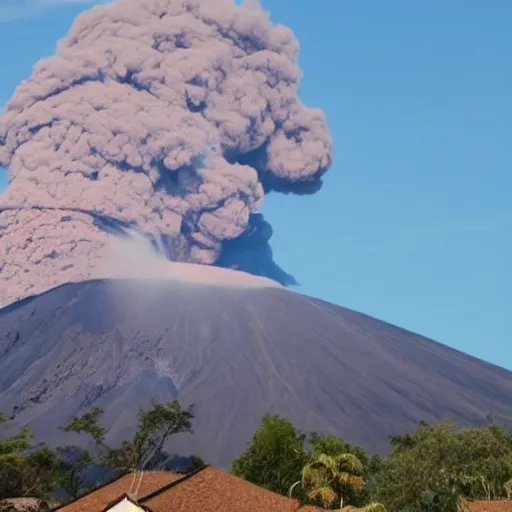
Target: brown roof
(488,506)
(211,490)
(207,489)
(101,497)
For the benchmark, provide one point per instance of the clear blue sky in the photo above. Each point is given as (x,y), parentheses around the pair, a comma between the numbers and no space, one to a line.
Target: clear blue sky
(414,223)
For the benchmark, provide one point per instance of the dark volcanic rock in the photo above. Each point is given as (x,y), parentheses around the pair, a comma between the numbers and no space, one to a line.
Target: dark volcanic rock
(235,354)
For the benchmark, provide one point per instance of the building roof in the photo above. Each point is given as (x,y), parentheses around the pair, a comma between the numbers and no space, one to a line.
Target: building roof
(489,506)
(211,490)
(207,489)
(100,498)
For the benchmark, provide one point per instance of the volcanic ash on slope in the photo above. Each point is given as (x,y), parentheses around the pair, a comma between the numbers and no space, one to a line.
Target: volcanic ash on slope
(172,116)
(236,354)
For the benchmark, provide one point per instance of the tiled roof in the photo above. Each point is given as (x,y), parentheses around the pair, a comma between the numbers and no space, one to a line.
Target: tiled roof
(488,506)
(101,497)
(212,490)
(206,490)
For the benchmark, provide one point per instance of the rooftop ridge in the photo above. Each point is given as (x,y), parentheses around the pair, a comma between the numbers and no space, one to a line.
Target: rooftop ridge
(171,485)
(103,485)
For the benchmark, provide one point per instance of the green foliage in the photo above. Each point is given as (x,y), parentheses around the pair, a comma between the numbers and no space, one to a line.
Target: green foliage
(73,462)
(430,469)
(11,449)
(88,423)
(26,469)
(153,429)
(278,453)
(434,466)
(275,456)
(36,471)
(334,446)
(327,478)
(144,450)
(194,464)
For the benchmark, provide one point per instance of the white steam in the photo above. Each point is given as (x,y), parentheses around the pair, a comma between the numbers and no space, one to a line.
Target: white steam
(135,257)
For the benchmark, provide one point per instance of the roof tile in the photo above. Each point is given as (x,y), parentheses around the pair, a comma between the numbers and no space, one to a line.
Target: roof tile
(101,497)
(211,490)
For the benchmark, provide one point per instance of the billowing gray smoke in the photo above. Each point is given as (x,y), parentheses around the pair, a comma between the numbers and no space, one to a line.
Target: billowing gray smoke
(174,117)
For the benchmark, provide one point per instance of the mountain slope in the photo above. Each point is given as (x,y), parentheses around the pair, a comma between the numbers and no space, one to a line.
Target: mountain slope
(235,354)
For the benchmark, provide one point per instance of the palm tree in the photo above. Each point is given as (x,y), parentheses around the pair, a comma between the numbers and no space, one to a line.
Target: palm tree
(328,477)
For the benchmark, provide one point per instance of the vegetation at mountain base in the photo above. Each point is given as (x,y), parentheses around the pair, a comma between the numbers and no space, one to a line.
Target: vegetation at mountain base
(275,456)
(26,469)
(34,470)
(435,466)
(145,449)
(320,470)
(429,469)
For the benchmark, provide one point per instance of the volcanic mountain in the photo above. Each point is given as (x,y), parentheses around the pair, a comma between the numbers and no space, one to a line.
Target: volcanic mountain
(236,352)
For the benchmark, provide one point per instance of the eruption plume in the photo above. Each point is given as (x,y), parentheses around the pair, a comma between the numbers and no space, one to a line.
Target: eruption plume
(171,117)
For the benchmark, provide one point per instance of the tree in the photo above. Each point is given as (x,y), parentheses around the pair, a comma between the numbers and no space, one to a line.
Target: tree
(154,428)
(327,478)
(333,445)
(145,450)
(73,464)
(275,456)
(88,423)
(74,460)
(194,463)
(433,467)
(26,469)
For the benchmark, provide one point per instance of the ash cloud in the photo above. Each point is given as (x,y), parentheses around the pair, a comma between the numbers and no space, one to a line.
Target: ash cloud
(173,117)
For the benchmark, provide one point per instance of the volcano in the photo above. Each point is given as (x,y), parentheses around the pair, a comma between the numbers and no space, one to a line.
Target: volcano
(236,353)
